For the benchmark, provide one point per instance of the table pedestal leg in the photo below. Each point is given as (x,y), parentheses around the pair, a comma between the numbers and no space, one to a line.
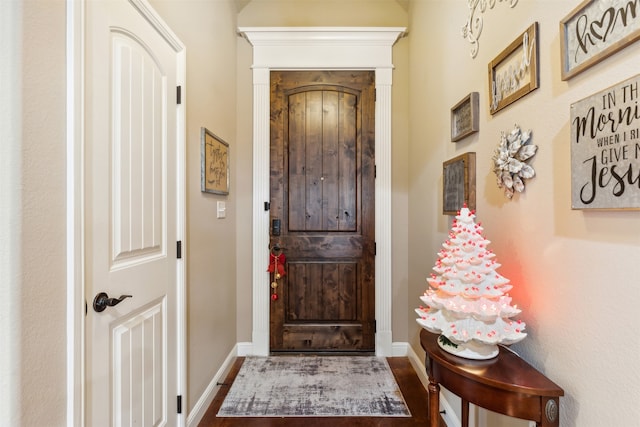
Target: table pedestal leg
(465,413)
(434,403)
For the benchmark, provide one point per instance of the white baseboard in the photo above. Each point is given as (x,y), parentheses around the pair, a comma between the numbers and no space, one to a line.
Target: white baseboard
(400,349)
(418,365)
(449,415)
(245,349)
(203,403)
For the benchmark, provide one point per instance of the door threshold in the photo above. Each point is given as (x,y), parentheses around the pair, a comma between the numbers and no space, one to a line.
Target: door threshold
(320,353)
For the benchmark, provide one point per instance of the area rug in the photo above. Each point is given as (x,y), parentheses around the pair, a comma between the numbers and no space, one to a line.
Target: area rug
(314,386)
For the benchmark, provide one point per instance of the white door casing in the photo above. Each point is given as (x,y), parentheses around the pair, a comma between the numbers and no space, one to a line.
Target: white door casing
(134,215)
(338,48)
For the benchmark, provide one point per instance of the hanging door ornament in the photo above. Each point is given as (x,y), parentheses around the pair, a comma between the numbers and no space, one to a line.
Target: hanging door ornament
(276,268)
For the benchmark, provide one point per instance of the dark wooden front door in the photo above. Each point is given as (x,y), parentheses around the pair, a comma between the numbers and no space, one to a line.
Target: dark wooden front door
(322,191)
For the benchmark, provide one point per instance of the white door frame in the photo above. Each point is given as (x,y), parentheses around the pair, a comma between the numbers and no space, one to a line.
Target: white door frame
(76,297)
(296,48)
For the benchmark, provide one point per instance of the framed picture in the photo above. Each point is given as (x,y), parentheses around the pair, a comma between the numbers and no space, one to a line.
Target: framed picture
(214,154)
(594,30)
(464,117)
(514,73)
(459,183)
(605,160)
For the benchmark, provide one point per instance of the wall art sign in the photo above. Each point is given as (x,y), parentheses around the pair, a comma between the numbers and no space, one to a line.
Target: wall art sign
(514,73)
(472,29)
(605,148)
(459,183)
(464,117)
(214,157)
(596,29)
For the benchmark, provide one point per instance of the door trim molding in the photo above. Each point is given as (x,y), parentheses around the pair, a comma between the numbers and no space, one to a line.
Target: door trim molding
(76,298)
(75,213)
(296,48)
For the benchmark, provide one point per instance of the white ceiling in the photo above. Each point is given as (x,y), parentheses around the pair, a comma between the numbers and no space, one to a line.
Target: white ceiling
(240,4)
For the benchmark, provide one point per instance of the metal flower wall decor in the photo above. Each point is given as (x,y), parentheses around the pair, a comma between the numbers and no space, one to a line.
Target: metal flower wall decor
(509,160)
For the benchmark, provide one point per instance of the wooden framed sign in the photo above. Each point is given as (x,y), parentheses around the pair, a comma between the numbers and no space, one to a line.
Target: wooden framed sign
(514,73)
(459,183)
(214,173)
(594,30)
(464,117)
(605,148)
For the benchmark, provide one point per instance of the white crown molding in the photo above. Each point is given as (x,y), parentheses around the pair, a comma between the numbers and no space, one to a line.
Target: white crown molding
(264,36)
(332,47)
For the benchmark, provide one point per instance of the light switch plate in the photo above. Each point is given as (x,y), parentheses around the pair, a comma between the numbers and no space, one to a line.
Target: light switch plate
(221,210)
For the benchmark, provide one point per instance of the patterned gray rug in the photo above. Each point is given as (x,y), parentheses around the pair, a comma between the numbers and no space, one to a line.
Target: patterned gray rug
(314,386)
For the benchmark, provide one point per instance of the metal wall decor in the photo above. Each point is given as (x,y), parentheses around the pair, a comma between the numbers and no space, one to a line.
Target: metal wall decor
(594,30)
(510,161)
(605,148)
(472,29)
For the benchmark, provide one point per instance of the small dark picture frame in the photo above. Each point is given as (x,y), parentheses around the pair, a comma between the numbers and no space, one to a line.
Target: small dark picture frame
(459,183)
(214,172)
(464,117)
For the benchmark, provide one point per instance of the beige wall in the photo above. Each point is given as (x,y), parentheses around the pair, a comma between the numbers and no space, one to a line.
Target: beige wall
(574,272)
(316,13)
(244,236)
(319,13)
(32,365)
(208,30)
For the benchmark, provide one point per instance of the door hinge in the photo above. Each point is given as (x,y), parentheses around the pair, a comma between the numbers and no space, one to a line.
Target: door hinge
(179,401)
(375,326)
(267,206)
(375,248)
(375,171)
(375,95)
(179,95)
(179,249)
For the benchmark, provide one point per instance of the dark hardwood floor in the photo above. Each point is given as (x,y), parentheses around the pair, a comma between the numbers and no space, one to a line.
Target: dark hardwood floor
(414,394)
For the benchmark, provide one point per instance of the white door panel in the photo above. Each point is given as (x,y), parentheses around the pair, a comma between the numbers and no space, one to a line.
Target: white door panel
(139,349)
(131,217)
(139,181)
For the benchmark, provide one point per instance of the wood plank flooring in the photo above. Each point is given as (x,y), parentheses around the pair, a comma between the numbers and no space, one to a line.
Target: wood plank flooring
(412,389)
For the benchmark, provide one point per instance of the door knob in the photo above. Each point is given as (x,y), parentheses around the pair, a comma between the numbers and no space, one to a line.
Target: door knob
(102,301)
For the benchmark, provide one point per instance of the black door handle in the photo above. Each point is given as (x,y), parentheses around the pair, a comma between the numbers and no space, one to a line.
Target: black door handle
(102,301)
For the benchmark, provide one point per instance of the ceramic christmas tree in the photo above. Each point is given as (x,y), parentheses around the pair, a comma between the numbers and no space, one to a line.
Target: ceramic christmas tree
(467,300)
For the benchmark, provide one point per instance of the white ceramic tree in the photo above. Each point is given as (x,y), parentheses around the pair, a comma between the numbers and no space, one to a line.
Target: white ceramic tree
(467,300)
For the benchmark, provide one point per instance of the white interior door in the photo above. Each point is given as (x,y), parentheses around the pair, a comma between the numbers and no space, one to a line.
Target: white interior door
(132,216)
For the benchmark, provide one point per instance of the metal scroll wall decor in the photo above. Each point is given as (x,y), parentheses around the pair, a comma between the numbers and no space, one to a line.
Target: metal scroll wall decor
(473,27)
